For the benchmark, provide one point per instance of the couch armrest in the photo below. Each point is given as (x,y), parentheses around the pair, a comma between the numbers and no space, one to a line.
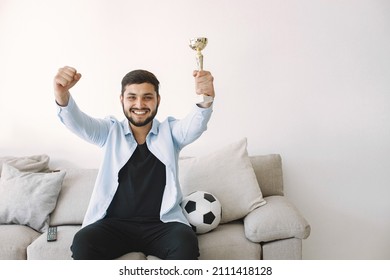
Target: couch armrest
(278,219)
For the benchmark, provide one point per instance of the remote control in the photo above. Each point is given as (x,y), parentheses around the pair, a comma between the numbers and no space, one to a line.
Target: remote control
(52,234)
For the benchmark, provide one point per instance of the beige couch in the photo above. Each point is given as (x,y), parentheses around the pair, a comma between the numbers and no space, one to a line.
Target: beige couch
(273,230)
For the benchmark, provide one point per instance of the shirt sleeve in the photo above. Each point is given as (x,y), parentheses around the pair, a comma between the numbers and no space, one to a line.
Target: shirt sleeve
(190,128)
(90,129)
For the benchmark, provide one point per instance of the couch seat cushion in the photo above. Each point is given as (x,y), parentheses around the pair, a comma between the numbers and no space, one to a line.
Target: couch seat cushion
(14,240)
(41,249)
(228,242)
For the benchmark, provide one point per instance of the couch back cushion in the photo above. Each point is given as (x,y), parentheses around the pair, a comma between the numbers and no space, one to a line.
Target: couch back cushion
(268,170)
(74,197)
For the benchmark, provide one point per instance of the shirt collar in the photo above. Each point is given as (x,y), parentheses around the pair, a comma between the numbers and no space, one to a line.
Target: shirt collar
(126,126)
(155,126)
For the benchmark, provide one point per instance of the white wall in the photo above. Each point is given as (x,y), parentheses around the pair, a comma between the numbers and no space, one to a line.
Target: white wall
(306,79)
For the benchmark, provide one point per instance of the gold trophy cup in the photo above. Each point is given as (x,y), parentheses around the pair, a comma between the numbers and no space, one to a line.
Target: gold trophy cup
(198,44)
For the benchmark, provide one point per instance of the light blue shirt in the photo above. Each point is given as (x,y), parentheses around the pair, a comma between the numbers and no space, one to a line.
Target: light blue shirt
(165,140)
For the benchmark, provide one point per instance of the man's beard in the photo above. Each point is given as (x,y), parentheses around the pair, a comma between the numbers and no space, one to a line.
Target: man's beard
(139,123)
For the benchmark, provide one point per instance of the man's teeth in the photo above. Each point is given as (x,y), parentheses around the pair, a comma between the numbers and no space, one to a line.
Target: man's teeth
(139,112)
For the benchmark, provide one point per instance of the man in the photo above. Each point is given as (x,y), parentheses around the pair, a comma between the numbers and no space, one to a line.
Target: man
(135,205)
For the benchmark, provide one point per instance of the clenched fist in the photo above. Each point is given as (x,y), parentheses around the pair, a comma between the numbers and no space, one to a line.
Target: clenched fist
(65,79)
(204,83)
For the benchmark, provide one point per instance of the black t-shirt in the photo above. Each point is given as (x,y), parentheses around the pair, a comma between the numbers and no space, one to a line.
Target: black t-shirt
(141,186)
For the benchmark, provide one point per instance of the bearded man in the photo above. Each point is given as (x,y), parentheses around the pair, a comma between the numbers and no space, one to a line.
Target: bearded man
(135,204)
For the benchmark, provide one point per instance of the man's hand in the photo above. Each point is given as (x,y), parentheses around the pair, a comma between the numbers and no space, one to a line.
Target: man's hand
(65,79)
(204,83)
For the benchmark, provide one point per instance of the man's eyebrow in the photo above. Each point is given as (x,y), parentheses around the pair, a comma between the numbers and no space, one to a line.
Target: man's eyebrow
(143,94)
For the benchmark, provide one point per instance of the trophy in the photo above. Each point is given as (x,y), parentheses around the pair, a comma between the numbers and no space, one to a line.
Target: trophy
(198,44)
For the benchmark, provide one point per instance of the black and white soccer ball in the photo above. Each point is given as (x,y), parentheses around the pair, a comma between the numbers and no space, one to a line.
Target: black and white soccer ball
(202,210)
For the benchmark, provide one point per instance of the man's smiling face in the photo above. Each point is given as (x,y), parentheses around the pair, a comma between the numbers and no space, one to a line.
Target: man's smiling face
(140,103)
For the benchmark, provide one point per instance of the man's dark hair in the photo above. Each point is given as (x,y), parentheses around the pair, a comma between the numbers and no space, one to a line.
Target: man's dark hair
(140,77)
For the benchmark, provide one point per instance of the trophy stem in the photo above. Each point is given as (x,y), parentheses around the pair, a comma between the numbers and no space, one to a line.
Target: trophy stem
(199,60)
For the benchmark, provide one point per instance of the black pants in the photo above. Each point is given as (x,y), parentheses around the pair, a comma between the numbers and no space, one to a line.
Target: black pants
(112,238)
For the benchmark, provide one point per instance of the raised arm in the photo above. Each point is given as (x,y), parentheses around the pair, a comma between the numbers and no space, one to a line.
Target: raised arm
(188,129)
(90,129)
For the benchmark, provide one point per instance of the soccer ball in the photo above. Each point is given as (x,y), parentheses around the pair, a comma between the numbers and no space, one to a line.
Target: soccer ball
(202,210)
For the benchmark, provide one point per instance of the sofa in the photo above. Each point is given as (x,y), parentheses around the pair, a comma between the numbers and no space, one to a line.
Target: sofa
(259,223)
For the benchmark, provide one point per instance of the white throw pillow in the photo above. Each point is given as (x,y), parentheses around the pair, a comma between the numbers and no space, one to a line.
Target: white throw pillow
(228,174)
(28,198)
(35,163)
